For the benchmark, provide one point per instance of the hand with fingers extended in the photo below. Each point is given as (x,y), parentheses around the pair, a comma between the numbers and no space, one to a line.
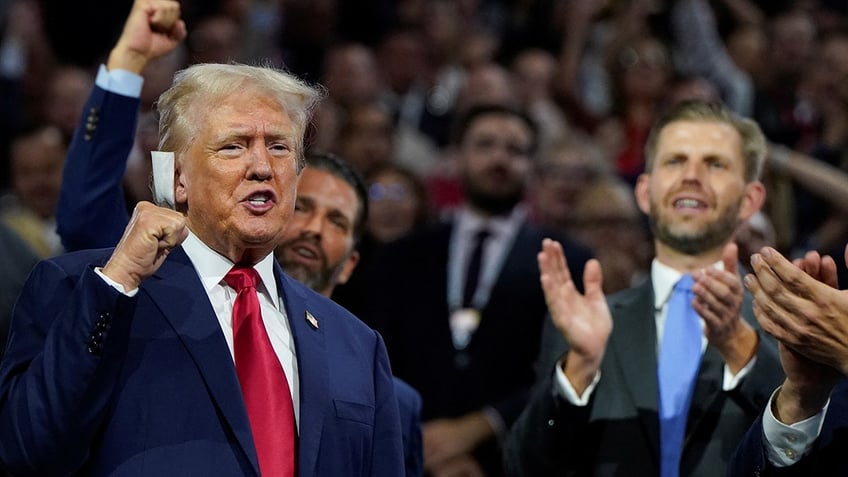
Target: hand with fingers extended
(718,300)
(583,319)
(148,239)
(798,303)
(153,29)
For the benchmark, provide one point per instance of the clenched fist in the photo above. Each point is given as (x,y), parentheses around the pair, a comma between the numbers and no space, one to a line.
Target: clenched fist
(151,234)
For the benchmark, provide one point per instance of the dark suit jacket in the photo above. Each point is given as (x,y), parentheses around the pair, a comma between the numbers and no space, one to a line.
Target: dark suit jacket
(408,305)
(826,458)
(617,434)
(98,383)
(92,211)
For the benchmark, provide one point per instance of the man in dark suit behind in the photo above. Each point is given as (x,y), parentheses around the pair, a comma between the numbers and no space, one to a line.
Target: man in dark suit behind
(121,361)
(469,349)
(597,411)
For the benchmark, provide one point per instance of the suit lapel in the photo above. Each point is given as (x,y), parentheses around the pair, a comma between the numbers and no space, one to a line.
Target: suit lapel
(179,294)
(634,341)
(313,369)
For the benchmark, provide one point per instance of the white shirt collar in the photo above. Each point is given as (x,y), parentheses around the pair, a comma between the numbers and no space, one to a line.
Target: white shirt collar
(664,278)
(469,222)
(212,267)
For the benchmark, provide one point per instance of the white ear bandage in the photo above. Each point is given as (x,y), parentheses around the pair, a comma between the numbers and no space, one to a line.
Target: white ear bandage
(163,178)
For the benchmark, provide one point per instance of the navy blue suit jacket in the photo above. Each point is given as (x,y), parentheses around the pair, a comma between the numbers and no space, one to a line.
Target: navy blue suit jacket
(92,210)
(98,383)
(826,458)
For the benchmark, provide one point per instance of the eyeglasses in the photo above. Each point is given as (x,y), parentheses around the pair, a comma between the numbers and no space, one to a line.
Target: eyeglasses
(393,192)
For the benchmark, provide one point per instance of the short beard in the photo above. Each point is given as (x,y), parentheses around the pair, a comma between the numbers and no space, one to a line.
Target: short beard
(713,236)
(318,280)
(325,278)
(490,203)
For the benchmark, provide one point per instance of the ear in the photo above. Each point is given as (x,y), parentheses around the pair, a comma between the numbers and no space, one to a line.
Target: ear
(180,194)
(643,193)
(753,200)
(348,268)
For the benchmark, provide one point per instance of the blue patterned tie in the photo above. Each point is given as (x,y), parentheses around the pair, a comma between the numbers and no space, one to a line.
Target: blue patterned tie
(679,359)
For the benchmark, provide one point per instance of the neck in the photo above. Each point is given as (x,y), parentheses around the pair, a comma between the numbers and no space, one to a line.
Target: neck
(686,263)
(245,257)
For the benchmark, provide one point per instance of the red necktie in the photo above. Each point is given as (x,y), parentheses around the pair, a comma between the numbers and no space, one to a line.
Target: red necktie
(262,379)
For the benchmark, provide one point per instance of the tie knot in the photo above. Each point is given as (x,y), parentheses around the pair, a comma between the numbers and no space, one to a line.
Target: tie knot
(242,277)
(481,235)
(685,283)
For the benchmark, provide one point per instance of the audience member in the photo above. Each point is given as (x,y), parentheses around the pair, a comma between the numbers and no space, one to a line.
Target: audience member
(64,98)
(533,73)
(37,158)
(565,169)
(663,378)
(366,136)
(451,298)
(25,59)
(607,209)
(640,70)
(398,204)
(751,236)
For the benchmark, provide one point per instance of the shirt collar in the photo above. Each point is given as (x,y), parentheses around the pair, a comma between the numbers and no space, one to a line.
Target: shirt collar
(212,267)
(664,278)
(469,222)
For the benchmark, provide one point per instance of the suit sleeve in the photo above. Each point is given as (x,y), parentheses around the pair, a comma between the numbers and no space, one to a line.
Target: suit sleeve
(387,459)
(92,212)
(409,405)
(66,348)
(825,459)
(548,438)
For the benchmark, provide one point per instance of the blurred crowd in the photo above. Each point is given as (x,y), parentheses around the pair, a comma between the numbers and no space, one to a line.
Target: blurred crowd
(593,75)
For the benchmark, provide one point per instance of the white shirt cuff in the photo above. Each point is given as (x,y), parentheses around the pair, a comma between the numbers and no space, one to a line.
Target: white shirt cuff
(730,381)
(786,444)
(114,284)
(564,388)
(123,82)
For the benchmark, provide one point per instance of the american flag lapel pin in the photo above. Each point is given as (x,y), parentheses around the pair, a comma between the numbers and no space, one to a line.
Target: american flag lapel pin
(312,320)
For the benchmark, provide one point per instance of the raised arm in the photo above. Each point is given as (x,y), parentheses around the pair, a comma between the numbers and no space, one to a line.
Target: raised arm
(91,212)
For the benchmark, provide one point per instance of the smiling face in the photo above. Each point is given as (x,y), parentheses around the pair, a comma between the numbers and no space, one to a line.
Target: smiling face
(696,194)
(317,248)
(237,178)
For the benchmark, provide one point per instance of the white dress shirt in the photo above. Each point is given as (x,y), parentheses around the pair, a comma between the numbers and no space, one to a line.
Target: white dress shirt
(467,223)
